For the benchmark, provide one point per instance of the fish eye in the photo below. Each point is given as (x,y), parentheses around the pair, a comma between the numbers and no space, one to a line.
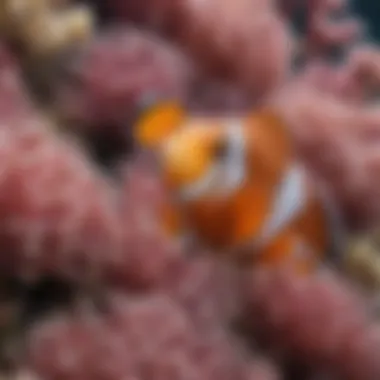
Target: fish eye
(221,150)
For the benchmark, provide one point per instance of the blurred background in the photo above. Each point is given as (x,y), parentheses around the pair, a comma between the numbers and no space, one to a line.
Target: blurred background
(370,11)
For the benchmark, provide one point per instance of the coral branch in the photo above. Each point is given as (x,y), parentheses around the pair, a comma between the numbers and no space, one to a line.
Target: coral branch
(320,321)
(104,84)
(57,214)
(323,31)
(144,338)
(217,33)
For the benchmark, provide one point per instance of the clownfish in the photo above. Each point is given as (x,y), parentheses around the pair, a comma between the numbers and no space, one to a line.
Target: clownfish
(238,188)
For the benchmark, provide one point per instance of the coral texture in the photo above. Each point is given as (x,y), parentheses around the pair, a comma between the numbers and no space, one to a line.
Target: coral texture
(319,320)
(148,338)
(150,253)
(57,214)
(108,81)
(216,33)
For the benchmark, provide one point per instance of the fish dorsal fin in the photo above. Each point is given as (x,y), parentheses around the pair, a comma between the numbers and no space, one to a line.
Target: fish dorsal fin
(157,122)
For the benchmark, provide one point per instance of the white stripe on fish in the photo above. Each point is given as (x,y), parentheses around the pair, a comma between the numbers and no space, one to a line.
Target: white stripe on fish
(289,202)
(226,175)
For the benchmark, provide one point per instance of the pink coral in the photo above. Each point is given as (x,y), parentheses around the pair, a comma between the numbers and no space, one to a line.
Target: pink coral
(58,215)
(208,290)
(148,338)
(356,79)
(252,30)
(220,98)
(218,33)
(149,252)
(105,84)
(363,68)
(319,320)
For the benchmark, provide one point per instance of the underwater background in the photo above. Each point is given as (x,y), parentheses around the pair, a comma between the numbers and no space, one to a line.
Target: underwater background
(370,12)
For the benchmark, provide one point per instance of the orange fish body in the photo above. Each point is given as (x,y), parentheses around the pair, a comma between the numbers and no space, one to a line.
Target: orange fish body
(238,189)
